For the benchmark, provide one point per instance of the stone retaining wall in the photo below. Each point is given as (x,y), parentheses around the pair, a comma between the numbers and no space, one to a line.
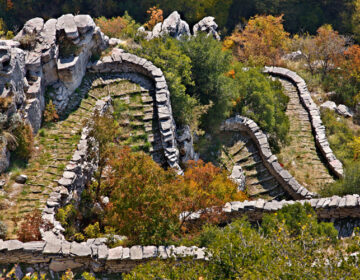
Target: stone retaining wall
(329,208)
(92,255)
(286,180)
(120,61)
(77,173)
(315,117)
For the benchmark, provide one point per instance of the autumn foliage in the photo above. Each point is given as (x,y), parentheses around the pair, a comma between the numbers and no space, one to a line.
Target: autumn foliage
(155,16)
(263,41)
(30,227)
(111,27)
(146,200)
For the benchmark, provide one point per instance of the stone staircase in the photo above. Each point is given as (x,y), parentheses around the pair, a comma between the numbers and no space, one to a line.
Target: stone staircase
(239,149)
(56,142)
(300,157)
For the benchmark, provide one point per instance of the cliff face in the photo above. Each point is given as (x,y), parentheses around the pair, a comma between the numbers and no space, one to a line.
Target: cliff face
(56,54)
(45,60)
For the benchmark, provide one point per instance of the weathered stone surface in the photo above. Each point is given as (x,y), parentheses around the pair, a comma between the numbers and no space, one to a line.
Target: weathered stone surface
(345,111)
(328,105)
(207,25)
(12,245)
(80,250)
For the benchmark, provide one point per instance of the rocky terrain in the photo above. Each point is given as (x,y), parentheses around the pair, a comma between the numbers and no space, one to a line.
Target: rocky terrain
(62,59)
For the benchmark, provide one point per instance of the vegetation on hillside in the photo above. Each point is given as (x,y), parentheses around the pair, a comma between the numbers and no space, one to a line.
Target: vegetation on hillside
(290,244)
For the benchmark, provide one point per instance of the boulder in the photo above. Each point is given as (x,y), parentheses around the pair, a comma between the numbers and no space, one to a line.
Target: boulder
(328,105)
(21,179)
(293,56)
(186,144)
(207,25)
(173,26)
(344,111)
(238,176)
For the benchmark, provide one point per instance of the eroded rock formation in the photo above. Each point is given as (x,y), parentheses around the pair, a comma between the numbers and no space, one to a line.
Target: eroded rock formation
(174,26)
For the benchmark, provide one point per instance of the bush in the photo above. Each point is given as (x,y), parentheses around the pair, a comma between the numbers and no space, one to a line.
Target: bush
(209,64)
(350,184)
(290,244)
(259,98)
(50,113)
(30,228)
(118,27)
(3,230)
(25,140)
(339,134)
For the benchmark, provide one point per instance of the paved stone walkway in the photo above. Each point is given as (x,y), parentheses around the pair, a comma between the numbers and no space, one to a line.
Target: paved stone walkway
(55,144)
(300,157)
(238,148)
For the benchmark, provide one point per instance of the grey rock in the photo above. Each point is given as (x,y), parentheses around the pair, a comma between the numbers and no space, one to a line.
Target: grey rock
(345,111)
(115,253)
(328,105)
(207,25)
(21,179)
(80,250)
(136,252)
(13,245)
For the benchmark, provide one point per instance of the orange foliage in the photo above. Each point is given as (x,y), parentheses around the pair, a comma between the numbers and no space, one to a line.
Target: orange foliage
(111,27)
(263,41)
(231,73)
(146,200)
(30,227)
(156,16)
(207,187)
(9,5)
(351,62)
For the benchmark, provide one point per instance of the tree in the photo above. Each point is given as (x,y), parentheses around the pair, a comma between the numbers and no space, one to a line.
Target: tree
(330,45)
(262,100)
(263,41)
(156,16)
(104,130)
(211,86)
(167,54)
(323,51)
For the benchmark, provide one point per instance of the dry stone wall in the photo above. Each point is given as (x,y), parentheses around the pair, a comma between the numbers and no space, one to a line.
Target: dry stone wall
(92,255)
(315,117)
(286,180)
(120,61)
(327,208)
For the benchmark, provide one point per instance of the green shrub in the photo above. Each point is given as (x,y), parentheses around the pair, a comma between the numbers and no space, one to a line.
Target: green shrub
(25,141)
(350,184)
(290,244)
(3,230)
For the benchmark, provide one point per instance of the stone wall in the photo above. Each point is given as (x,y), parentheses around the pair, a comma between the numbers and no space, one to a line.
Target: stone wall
(120,61)
(77,173)
(328,208)
(286,180)
(92,255)
(315,117)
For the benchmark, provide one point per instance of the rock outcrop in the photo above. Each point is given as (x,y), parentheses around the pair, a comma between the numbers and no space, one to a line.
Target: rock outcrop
(207,25)
(56,54)
(175,27)
(185,143)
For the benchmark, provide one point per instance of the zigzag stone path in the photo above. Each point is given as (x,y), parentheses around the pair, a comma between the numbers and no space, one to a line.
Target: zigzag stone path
(240,150)
(300,157)
(56,143)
